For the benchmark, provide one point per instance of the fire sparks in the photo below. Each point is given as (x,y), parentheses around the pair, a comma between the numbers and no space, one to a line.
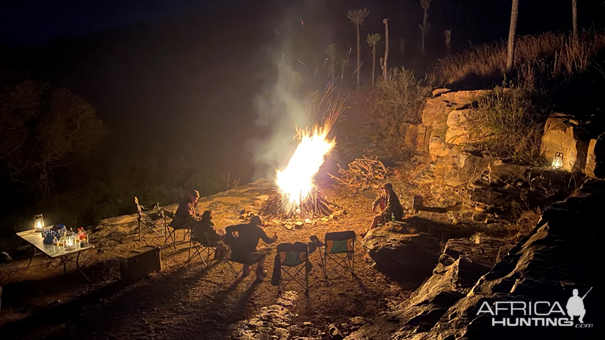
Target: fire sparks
(296,181)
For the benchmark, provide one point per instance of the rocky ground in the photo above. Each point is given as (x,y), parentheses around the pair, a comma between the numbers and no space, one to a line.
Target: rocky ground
(186,300)
(475,238)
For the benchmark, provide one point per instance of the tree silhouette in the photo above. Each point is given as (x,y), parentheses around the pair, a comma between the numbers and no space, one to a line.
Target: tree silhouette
(574,15)
(385,21)
(373,40)
(357,17)
(447,35)
(514,13)
(43,128)
(424,27)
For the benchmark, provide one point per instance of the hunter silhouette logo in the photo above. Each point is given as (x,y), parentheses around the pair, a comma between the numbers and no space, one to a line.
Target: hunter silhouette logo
(537,313)
(575,306)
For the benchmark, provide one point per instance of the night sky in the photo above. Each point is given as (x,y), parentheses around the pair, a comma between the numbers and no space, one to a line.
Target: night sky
(192,72)
(38,21)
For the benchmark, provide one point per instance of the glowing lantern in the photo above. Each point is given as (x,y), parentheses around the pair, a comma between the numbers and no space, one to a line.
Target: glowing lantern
(38,223)
(70,243)
(557,161)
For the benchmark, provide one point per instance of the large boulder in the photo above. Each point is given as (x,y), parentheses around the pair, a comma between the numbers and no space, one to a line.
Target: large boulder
(462,263)
(563,134)
(443,101)
(438,147)
(554,259)
(402,256)
(467,168)
(457,127)
(595,157)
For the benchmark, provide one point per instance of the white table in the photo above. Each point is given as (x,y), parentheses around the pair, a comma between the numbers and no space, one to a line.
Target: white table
(35,239)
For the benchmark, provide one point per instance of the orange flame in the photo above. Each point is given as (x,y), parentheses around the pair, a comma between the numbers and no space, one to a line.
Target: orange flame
(296,181)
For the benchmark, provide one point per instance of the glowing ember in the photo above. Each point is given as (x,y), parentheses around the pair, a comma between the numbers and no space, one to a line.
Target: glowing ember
(296,181)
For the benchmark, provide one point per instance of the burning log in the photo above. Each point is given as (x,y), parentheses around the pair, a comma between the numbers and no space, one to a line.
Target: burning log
(363,173)
(314,204)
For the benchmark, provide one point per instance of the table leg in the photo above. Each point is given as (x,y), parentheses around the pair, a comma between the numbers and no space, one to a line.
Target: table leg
(63,260)
(32,258)
(78,266)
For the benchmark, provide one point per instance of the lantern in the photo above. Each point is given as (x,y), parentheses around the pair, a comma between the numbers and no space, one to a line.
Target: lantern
(38,223)
(557,161)
(70,243)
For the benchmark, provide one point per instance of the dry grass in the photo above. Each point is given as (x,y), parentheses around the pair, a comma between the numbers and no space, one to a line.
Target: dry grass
(508,124)
(539,58)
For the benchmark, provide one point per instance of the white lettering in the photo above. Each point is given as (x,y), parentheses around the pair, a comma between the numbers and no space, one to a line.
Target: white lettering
(520,308)
(504,305)
(536,307)
(502,322)
(558,309)
(565,322)
(486,305)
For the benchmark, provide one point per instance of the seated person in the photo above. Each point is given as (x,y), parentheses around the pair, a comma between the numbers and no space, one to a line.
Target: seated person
(186,214)
(389,205)
(204,231)
(243,240)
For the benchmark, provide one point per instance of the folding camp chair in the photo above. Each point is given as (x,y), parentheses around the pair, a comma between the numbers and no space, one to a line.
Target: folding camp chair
(150,221)
(339,249)
(201,246)
(290,262)
(173,228)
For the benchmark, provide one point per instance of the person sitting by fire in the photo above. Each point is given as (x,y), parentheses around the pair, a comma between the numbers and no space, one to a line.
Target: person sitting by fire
(389,207)
(186,214)
(204,230)
(187,217)
(242,240)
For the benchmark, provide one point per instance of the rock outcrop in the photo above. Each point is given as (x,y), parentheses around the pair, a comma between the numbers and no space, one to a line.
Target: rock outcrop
(554,259)
(596,157)
(462,263)
(405,255)
(564,135)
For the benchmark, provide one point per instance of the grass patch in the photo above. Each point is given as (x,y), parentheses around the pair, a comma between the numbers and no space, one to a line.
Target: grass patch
(508,123)
(539,60)
(392,102)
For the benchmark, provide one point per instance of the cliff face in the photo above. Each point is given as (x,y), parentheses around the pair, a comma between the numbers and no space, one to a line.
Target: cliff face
(558,256)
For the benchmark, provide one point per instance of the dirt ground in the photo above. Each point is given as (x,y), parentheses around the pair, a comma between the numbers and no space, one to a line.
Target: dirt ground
(186,300)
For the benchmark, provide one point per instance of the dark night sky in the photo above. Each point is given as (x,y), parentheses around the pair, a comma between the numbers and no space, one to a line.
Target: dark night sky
(199,66)
(38,21)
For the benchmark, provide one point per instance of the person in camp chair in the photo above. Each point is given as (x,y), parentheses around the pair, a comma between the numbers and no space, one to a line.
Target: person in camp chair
(204,230)
(186,214)
(389,206)
(243,240)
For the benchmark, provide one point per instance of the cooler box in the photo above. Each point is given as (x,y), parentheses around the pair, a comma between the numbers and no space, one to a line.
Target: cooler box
(139,263)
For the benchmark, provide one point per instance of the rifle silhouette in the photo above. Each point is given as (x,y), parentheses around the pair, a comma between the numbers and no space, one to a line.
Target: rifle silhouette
(586,293)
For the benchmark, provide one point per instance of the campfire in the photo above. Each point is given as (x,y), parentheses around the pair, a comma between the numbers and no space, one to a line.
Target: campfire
(297,195)
(314,205)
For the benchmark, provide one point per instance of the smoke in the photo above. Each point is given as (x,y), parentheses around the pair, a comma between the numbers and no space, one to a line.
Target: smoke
(280,105)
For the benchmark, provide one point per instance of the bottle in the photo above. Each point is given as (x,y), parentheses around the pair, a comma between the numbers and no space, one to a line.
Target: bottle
(84,238)
(393,217)
(55,243)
